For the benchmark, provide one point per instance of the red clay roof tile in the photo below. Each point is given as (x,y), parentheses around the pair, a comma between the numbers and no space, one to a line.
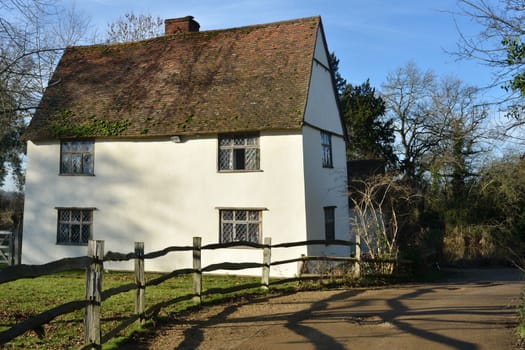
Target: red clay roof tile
(240,79)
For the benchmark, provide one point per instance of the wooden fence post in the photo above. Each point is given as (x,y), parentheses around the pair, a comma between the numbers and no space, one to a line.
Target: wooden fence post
(140,280)
(267,259)
(197,274)
(92,331)
(357,264)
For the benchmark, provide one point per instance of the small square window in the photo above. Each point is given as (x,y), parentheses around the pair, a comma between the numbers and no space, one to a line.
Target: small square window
(238,152)
(77,157)
(74,226)
(240,225)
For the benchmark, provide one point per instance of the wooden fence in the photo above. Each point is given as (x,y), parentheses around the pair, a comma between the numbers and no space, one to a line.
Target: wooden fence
(93,263)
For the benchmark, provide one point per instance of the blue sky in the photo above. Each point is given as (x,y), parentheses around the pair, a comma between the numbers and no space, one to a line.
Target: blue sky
(370,37)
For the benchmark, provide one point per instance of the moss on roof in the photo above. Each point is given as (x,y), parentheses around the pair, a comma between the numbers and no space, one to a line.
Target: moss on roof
(239,79)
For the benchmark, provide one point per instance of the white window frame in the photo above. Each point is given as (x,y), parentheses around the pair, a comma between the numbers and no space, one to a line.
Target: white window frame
(233,152)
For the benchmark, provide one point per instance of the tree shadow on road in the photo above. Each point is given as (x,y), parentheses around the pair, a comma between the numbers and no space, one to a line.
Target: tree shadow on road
(397,308)
(314,336)
(331,320)
(194,335)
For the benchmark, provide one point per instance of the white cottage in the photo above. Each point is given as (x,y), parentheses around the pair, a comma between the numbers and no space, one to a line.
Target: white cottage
(231,135)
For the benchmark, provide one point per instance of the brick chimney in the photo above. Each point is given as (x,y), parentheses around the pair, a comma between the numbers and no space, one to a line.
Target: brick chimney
(180,25)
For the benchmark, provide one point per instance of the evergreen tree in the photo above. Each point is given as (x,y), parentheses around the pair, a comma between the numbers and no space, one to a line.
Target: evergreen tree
(370,135)
(340,82)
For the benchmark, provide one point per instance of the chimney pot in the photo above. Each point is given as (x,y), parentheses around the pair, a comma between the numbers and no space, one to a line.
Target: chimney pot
(181,25)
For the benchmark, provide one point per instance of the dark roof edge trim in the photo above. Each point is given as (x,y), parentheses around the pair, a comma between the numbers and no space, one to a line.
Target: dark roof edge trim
(334,86)
(321,129)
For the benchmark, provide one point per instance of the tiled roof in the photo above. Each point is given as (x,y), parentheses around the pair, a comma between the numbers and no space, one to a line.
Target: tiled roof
(241,79)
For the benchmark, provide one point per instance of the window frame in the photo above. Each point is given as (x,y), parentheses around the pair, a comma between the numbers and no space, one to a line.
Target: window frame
(329,223)
(326,149)
(81,222)
(236,151)
(85,170)
(235,222)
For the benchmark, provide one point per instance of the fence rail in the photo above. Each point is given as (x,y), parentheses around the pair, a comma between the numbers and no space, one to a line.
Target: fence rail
(93,263)
(14,273)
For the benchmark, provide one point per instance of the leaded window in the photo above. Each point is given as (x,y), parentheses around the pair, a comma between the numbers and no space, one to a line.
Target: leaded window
(74,226)
(240,225)
(238,152)
(326,144)
(77,157)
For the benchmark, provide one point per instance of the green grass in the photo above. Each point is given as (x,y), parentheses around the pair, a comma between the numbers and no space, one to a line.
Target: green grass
(25,298)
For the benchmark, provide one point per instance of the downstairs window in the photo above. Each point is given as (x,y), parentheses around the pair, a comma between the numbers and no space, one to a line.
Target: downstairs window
(240,225)
(74,226)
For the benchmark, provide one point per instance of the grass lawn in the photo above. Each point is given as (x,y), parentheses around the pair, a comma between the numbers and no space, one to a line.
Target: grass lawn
(27,297)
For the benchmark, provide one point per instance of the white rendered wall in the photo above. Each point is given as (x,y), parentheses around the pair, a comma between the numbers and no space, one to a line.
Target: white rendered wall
(164,193)
(325,186)
(321,108)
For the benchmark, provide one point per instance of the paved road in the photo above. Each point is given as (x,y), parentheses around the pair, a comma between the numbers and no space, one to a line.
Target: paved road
(476,310)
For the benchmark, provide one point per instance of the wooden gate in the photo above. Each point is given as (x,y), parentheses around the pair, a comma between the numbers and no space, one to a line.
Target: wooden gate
(6,247)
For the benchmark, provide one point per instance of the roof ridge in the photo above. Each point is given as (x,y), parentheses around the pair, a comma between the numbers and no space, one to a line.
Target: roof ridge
(287,21)
(211,31)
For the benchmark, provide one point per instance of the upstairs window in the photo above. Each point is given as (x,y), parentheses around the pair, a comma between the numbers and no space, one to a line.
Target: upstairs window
(74,226)
(326,144)
(240,225)
(77,157)
(239,152)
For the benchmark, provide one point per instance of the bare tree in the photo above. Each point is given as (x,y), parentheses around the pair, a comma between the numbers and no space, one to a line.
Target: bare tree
(33,34)
(378,203)
(133,27)
(407,94)
(458,125)
(440,124)
(499,44)
(437,122)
